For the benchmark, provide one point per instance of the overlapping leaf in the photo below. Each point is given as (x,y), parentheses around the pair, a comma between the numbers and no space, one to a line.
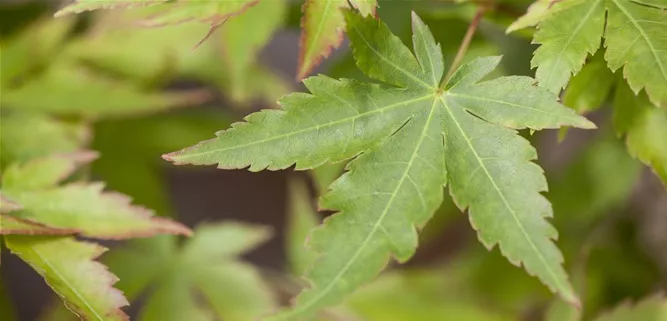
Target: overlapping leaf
(164,12)
(644,126)
(80,207)
(207,266)
(633,38)
(322,26)
(69,89)
(67,266)
(650,309)
(228,59)
(24,136)
(413,138)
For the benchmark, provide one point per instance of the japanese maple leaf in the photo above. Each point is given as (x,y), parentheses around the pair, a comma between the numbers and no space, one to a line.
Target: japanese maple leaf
(633,36)
(410,137)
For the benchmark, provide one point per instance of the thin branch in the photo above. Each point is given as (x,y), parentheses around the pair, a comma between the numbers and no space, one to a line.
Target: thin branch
(467,39)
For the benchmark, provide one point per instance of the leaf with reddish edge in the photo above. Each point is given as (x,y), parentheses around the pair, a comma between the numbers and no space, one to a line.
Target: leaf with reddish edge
(11,225)
(68,267)
(80,6)
(83,207)
(323,25)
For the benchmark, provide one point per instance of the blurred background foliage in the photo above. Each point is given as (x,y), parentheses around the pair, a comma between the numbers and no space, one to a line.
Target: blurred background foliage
(98,81)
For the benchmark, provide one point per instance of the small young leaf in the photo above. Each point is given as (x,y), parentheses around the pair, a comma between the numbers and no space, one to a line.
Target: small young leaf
(644,126)
(322,26)
(67,266)
(413,137)
(82,207)
(233,290)
(650,309)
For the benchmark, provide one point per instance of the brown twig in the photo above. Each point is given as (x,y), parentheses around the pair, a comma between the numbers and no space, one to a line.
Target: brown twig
(467,39)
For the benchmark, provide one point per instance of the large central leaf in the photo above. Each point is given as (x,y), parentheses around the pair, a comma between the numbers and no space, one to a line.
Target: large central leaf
(414,136)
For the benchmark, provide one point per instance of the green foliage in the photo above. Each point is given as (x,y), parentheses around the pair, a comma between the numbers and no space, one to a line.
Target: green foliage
(206,265)
(397,182)
(67,266)
(83,208)
(439,111)
(650,309)
(644,126)
(574,29)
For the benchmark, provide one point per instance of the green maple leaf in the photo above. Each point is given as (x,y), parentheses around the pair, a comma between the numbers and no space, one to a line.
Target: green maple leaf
(166,12)
(650,309)
(207,265)
(410,137)
(79,207)
(644,126)
(633,38)
(68,89)
(322,26)
(24,136)
(67,266)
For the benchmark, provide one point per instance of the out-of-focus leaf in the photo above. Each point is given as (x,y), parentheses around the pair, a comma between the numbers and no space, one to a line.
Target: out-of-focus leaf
(43,173)
(115,44)
(67,266)
(174,300)
(80,6)
(31,49)
(585,190)
(644,126)
(419,295)
(80,206)
(207,266)
(650,309)
(24,136)
(589,88)
(163,12)
(243,37)
(67,89)
(303,218)
(228,59)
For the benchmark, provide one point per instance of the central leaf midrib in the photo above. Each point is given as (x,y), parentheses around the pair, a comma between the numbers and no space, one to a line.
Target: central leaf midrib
(378,223)
(482,165)
(304,130)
